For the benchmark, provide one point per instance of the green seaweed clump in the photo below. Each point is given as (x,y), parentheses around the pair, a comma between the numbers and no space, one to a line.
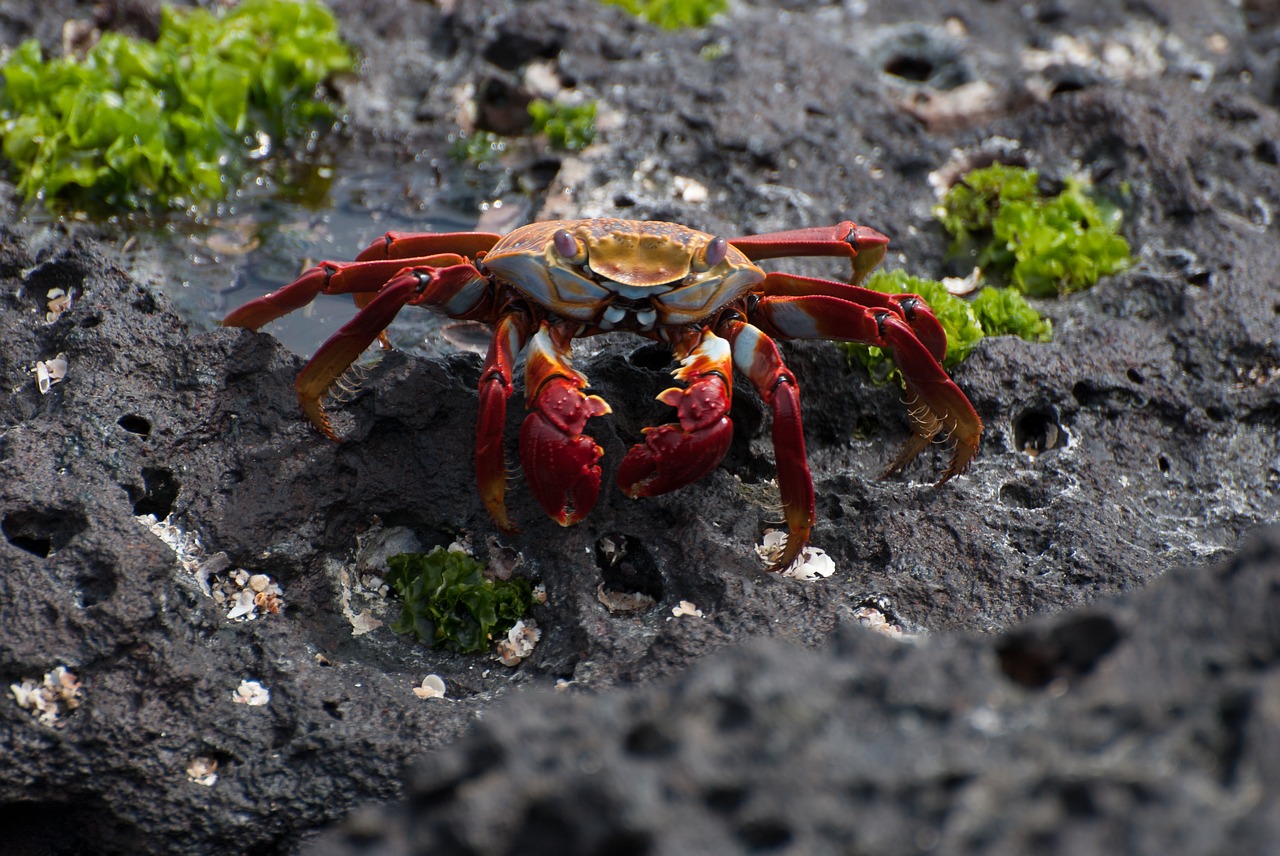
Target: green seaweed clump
(673,14)
(448,601)
(138,124)
(993,312)
(567,126)
(1042,246)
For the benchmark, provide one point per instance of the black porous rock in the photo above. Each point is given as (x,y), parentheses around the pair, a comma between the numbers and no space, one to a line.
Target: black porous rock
(1092,608)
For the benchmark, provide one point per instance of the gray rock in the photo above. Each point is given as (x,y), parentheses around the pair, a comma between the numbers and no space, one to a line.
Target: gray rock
(1156,409)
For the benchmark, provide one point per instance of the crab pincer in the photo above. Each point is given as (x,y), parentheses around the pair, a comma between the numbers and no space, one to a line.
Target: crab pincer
(560,462)
(677,454)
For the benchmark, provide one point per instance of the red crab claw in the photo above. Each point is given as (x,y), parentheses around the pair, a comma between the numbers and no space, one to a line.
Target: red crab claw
(756,355)
(560,462)
(678,454)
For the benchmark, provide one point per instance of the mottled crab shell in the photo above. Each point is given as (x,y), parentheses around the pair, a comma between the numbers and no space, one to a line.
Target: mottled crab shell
(628,274)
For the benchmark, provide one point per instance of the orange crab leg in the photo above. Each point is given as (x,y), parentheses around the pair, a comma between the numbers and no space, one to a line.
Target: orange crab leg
(560,462)
(460,287)
(509,336)
(678,454)
(756,356)
(936,403)
(862,245)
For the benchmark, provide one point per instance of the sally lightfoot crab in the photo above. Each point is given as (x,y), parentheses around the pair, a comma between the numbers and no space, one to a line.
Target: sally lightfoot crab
(545,284)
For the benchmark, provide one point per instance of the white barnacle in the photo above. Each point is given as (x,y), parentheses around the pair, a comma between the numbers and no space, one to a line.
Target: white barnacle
(251,693)
(432,687)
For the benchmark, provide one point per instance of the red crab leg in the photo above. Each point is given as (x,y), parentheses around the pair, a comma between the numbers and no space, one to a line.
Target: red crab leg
(678,454)
(328,278)
(756,356)
(911,307)
(429,286)
(560,462)
(412,245)
(862,245)
(509,337)
(936,403)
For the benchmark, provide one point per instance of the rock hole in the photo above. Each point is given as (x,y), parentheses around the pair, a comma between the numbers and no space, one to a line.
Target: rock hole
(1199,278)
(626,566)
(913,68)
(158,494)
(734,714)
(42,532)
(725,799)
(1036,657)
(1037,430)
(1163,463)
(81,825)
(652,356)
(1077,800)
(333,708)
(625,842)
(648,740)
(1067,85)
(1019,495)
(135,424)
(95,583)
(763,834)
(1134,376)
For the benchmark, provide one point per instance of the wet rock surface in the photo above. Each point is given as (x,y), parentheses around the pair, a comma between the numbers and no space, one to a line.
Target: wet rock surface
(1154,416)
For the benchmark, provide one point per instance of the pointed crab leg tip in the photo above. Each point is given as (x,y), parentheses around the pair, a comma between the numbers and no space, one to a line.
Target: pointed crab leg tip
(864,237)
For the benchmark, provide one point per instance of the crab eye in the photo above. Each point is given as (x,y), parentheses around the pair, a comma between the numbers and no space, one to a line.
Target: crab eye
(717,249)
(567,245)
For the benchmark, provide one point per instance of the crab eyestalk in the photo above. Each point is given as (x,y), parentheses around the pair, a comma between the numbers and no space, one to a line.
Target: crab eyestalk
(560,462)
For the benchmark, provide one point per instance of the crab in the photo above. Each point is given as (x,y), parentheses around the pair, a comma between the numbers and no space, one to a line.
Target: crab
(545,284)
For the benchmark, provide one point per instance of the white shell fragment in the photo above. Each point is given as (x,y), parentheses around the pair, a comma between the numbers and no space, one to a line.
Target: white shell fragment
(432,687)
(519,643)
(961,286)
(812,563)
(875,619)
(49,372)
(624,601)
(60,693)
(686,608)
(203,770)
(251,693)
(59,302)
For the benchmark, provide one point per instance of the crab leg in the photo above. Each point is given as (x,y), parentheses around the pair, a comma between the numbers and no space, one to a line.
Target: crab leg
(862,245)
(458,288)
(414,245)
(756,356)
(911,307)
(678,454)
(560,462)
(509,337)
(329,278)
(936,404)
